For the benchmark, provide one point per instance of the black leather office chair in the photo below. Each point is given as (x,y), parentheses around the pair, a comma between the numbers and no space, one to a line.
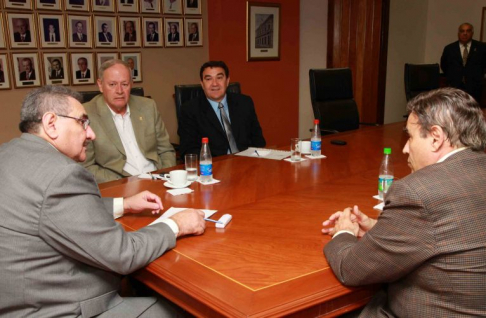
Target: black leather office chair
(332,100)
(89,95)
(420,78)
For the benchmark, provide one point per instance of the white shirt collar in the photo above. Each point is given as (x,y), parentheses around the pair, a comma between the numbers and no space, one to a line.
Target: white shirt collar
(451,153)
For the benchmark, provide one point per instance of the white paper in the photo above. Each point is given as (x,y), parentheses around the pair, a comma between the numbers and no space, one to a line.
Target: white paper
(171,211)
(290,160)
(180,191)
(264,153)
(318,157)
(151,176)
(210,182)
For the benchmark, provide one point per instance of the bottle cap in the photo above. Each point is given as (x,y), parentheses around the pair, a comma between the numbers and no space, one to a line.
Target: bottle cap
(205,140)
(387,151)
(316,121)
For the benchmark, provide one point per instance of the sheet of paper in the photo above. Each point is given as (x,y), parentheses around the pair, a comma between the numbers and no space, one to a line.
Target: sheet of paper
(171,211)
(264,153)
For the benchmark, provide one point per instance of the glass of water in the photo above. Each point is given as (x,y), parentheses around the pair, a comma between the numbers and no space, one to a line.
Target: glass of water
(295,149)
(190,161)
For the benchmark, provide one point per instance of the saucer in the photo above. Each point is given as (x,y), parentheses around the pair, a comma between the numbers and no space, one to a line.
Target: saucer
(170,185)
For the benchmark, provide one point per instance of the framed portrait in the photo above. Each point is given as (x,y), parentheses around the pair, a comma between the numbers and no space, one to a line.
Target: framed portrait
(22,31)
(18,4)
(79,31)
(77,5)
(192,6)
(52,31)
(127,5)
(4,73)
(48,4)
(26,70)
(194,32)
(483,26)
(150,6)
(152,32)
(172,6)
(82,68)
(129,31)
(134,60)
(103,5)
(105,32)
(263,36)
(3,45)
(103,57)
(174,32)
(56,69)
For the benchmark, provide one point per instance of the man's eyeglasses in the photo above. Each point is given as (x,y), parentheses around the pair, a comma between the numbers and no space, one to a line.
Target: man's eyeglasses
(83,121)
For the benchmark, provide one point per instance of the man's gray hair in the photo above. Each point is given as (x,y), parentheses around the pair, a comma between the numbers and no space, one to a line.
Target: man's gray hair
(466,23)
(456,112)
(107,64)
(42,100)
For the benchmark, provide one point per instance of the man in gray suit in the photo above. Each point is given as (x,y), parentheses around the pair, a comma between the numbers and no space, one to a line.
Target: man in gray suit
(428,244)
(62,253)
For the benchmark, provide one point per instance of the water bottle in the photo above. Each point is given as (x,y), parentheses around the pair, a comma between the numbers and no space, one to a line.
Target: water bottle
(316,139)
(385,177)
(205,162)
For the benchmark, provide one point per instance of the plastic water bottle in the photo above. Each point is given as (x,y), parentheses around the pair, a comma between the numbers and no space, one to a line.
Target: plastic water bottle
(316,140)
(205,162)
(385,177)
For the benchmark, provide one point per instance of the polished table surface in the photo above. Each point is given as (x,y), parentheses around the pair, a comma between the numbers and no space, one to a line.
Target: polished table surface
(269,260)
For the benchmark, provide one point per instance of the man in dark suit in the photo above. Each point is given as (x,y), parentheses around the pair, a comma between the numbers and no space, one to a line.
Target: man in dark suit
(23,32)
(79,35)
(173,35)
(51,34)
(105,35)
(29,72)
(152,36)
(130,32)
(191,3)
(59,235)
(204,116)
(194,34)
(428,245)
(464,62)
(57,71)
(83,71)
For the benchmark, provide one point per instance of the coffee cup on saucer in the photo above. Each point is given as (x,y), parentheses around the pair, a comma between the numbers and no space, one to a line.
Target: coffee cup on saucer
(177,178)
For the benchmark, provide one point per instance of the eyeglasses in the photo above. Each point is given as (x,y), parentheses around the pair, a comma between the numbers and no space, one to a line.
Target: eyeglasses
(83,121)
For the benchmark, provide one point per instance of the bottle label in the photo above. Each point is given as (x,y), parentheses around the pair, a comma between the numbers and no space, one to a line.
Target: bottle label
(206,170)
(384,183)
(316,145)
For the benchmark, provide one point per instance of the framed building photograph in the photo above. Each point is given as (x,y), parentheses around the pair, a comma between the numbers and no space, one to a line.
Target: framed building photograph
(18,4)
(150,6)
(103,57)
(4,73)
(22,31)
(105,32)
(174,32)
(152,32)
(103,5)
(129,31)
(3,44)
(192,6)
(77,5)
(127,6)
(26,70)
(194,32)
(82,68)
(79,31)
(52,31)
(56,70)
(48,4)
(263,36)
(172,6)
(134,60)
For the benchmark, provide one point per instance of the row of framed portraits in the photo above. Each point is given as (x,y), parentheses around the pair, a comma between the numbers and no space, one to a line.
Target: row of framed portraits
(83,31)
(134,6)
(60,68)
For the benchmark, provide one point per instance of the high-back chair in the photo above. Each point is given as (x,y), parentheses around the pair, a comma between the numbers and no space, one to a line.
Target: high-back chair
(420,78)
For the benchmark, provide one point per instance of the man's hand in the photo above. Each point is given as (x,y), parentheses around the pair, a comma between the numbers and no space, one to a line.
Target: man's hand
(365,222)
(144,200)
(190,221)
(357,219)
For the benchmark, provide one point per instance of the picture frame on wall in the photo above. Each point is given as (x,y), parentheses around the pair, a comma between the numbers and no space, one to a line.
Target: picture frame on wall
(129,31)
(79,31)
(26,70)
(77,5)
(263,35)
(150,6)
(52,31)
(192,6)
(194,35)
(4,73)
(22,32)
(82,68)
(56,68)
(103,5)
(106,35)
(18,4)
(103,57)
(3,43)
(48,4)
(174,32)
(152,32)
(483,26)
(127,6)
(134,60)
(172,6)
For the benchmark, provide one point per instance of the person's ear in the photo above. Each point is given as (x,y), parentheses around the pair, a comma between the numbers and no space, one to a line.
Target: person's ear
(49,125)
(438,137)
(100,87)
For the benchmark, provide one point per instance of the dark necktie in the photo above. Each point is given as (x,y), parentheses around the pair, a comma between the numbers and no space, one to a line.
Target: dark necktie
(227,129)
(464,56)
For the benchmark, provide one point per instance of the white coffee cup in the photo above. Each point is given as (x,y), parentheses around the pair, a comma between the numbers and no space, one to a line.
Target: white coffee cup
(305,147)
(178,178)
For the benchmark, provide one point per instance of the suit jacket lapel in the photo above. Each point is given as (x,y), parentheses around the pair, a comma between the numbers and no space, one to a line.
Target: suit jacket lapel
(211,115)
(138,118)
(108,124)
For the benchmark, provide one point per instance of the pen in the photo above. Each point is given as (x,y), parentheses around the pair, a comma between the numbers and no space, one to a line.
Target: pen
(257,153)
(211,220)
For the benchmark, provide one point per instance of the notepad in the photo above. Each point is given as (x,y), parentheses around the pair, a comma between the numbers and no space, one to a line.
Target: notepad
(264,153)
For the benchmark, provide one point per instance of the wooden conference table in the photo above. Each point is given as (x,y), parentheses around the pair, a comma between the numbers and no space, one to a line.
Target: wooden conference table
(269,260)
